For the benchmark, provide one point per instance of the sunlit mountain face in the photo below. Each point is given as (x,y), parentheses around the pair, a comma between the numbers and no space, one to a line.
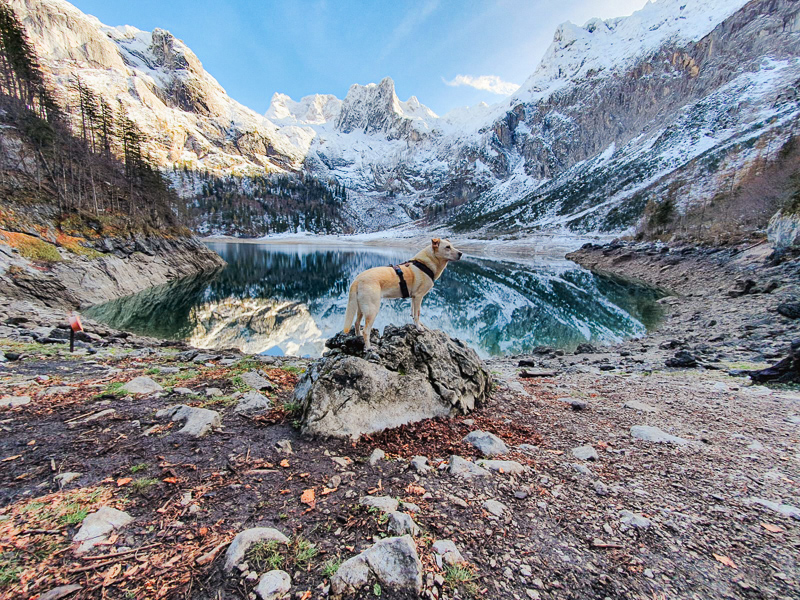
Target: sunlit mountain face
(288,299)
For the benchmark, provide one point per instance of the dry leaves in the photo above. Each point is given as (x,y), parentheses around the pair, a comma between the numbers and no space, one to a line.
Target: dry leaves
(725,560)
(309,497)
(123,481)
(772,528)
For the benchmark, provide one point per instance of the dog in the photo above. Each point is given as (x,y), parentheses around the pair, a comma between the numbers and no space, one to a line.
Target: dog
(418,276)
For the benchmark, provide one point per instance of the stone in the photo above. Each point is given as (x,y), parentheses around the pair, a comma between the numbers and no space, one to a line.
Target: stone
(252,402)
(376,455)
(385,504)
(457,501)
(285,447)
(199,421)
(498,509)
(585,349)
(446,552)
(634,520)
(600,488)
(242,542)
(790,310)
(62,479)
(654,434)
(682,360)
(12,401)
(400,524)
(100,415)
(507,467)
(253,379)
(183,391)
(56,390)
(410,507)
(640,406)
(787,510)
(585,453)
(97,525)
(213,392)
(274,585)
(142,385)
(61,591)
(582,469)
(411,376)
(575,403)
(420,465)
(393,561)
(487,443)
(204,358)
(463,468)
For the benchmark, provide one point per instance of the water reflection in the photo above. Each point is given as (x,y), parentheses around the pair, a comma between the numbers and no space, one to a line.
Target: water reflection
(288,299)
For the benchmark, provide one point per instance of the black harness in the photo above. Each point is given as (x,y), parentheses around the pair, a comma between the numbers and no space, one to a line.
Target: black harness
(420,265)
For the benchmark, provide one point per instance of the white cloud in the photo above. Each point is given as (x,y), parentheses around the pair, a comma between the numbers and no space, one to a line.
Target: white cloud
(488,83)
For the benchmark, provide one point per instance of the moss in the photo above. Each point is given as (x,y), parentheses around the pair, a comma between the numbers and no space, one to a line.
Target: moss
(30,247)
(75,246)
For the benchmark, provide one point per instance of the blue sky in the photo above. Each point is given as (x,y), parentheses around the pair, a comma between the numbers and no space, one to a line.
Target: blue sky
(255,48)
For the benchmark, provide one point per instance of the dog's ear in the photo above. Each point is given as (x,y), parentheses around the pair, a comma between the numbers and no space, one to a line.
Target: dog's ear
(435,244)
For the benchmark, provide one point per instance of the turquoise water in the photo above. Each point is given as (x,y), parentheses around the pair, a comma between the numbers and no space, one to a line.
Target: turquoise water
(288,299)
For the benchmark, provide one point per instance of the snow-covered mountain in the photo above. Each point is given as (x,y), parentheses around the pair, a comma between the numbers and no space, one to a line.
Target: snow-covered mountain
(674,101)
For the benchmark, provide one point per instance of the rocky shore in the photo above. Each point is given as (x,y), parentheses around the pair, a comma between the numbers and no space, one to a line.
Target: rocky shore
(614,472)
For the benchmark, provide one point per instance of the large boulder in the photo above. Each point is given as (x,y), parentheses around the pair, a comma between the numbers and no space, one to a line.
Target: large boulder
(409,376)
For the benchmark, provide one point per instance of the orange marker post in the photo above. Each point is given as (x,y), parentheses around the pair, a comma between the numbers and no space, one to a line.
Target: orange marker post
(74,325)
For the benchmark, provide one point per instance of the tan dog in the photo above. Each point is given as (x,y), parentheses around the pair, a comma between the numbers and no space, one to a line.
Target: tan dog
(371,286)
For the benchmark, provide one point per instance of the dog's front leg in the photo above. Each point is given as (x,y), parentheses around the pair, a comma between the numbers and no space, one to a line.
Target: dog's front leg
(416,306)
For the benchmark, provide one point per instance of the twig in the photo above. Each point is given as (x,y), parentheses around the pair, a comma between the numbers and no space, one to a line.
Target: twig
(114,554)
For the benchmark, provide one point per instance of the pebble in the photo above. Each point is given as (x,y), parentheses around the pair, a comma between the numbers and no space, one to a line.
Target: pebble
(213,392)
(274,585)
(420,464)
(142,385)
(585,453)
(376,455)
(494,507)
(385,504)
(97,525)
(654,434)
(575,403)
(634,520)
(487,443)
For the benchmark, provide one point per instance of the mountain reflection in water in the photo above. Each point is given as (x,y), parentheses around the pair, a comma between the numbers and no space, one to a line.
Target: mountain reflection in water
(288,299)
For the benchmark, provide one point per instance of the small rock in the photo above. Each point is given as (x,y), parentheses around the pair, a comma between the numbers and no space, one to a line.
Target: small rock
(285,447)
(199,421)
(634,520)
(61,591)
(585,453)
(463,468)
(97,525)
(376,455)
(600,488)
(401,524)
(410,507)
(183,391)
(100,415)
(252,402)
(649,573)
(654,434)
(447,552)
(420,465)
(393,561)
(242,542)
(582,469)
(56,390)
(253,379)
(787,510)
(496,508)
(274,585)
(12,401)
(213,392)
(487,443)
(790,310)
(457,501)
(334,482)
(385,504)
(575,403)
(682,360)
(640,406)
(508,467)
(62,479)
(142,385)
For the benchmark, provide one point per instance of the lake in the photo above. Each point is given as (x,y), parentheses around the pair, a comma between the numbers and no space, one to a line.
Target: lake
(287,299)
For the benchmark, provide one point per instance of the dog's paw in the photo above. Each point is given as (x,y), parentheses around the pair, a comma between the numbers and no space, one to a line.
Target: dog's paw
(371,356)
(421,328)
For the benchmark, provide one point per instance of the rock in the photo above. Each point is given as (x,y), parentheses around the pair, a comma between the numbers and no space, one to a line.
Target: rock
(62,479)
(376,455)
(385,504)
(400,524)
(529,448)
(411,376)
(498,509)
(274,585)
(582,469)
(213,392)
(242,542)
(199,421)
(252,402)
(585,453)
(142,385)
(682,360)
(463,468)
(253,379)
(56,390)
(640,406)
(12,401)
(204,358)
(183,391)
(447,552)
(585,349)
(394,562)
(790,310)
(457,501)
(97,525)
(634,520)
(654,434)
(61,591)
(420,465)
(508,467)
(575,403)
(787,510)
(600,488)
(285,447)
(487,443)
(410,507)
(100,415)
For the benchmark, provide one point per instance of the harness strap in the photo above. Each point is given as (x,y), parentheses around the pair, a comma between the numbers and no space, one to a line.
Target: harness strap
(424,268)
(403,284)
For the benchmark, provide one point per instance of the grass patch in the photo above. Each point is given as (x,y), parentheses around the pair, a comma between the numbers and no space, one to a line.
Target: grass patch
(139,467)
(9,569)
(293,369)
(330,567)
(239,383)
(142,484)
(31,247)
(74,514)
(225,401)
(461,578)
(269,555)
(112,389)
(292,407)
(153,371)
(73,244)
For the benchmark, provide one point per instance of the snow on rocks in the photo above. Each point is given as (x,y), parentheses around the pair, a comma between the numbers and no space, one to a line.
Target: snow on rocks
(252,402)
(199,421)
(487,443)
(274,585)
(142,385)
(394,562)
(463,468)
(446,552)
(242,542)
(97,525)
(385,504)
(585,453)
(654,434)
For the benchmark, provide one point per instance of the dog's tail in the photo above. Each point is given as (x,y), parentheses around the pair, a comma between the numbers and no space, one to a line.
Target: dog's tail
(352,307)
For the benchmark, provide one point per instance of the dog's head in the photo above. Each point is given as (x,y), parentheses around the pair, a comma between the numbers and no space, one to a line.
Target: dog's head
(444,249)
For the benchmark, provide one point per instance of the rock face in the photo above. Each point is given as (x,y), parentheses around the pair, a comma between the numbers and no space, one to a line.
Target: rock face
(412,376)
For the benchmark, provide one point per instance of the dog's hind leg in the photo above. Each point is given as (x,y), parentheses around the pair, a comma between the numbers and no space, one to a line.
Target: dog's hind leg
(359,316)
(352,308)
(369,319)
